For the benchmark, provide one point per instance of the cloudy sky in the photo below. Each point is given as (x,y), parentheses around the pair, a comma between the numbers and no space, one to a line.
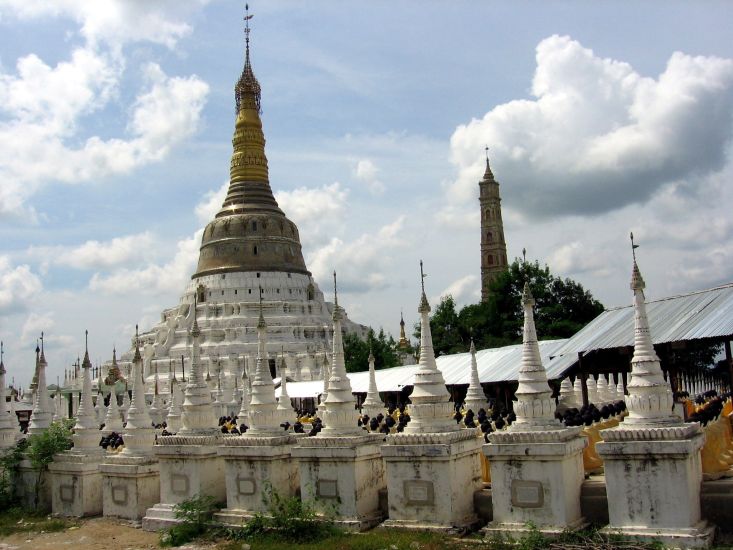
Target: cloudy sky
(116,118)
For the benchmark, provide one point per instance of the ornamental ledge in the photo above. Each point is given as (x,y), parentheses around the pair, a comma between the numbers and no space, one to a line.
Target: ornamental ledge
(340,441)
(662,433)
(254,441)
(540,436)
(166,440)
(431,438)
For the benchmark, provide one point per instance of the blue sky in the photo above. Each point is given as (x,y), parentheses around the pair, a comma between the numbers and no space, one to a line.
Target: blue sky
(116,119)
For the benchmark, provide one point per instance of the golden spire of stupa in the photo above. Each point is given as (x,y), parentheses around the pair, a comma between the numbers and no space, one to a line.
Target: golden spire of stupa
(403,343)
(250,232)
(249,163)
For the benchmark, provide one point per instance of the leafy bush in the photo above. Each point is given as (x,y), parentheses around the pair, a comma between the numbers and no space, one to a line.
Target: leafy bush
(289,519)
(42,447)
(9,462)
(195,514)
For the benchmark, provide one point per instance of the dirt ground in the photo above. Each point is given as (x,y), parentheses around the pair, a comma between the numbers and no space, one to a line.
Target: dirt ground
(91,534)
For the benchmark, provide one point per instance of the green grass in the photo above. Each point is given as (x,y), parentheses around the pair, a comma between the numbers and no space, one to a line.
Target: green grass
(17,520)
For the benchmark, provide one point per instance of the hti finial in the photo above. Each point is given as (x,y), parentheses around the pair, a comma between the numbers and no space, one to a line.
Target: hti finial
(2,351)
(487,153)
(41,341)
(335,290)
(422,277)
(247,17)
(633,246)
(524,255)
(86,340)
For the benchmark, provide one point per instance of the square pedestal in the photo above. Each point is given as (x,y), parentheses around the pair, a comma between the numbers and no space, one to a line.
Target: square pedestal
(653,484)
(254,468)
(431,479)
(342,476)
(130,485)
(189,466)
(536,477)
(76,484)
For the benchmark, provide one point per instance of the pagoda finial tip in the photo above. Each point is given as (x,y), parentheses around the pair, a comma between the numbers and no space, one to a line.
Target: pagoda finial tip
(637,281)
(424,305)
(335,290)
(527,298)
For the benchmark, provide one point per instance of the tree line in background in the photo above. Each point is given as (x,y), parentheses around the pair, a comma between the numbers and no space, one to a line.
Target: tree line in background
(563,308)
(382,346)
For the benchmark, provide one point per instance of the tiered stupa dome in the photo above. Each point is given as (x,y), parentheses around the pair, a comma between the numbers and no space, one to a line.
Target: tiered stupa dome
(250,232)
(250,244)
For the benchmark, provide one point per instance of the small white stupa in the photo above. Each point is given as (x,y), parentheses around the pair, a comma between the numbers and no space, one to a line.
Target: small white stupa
(264,416)
(372,405)
(139,434)
(534,407)
(8,423)
(198,415)
(173,420)
(431,410)
(475,396)
(339,415)
(592,388)
(567,393)
(41,416)
(547,455)
(86,429)
(661,503)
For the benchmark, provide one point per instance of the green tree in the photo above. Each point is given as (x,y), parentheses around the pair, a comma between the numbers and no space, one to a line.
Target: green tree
(356,351)
(562,308)
(42,447)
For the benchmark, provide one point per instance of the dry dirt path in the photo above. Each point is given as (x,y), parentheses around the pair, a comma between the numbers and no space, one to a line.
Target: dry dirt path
(91,534)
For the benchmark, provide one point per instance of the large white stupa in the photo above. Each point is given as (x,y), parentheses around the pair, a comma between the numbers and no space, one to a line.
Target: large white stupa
(249,245)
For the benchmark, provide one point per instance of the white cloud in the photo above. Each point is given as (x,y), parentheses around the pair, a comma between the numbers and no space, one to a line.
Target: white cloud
(362,264)
(114,22)
(577,257)
(153,279)
(210,204)
(465,290)
(318,211)
(98,254)
(18,286)
(34,324)
(366,172)
(45,104)
(304,205)
(43,107)
(458,216)
(598,135)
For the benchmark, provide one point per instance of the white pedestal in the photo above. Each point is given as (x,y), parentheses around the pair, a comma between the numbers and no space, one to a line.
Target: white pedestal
(189,466)
(130,485)
(254,468)
(76,484)
(653,478)
(431,479)
(342,476)
(536,477)
(25,487)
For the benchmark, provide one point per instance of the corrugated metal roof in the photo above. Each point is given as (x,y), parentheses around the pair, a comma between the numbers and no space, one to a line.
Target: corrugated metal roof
(310,388)
(702,314)
(494,365)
